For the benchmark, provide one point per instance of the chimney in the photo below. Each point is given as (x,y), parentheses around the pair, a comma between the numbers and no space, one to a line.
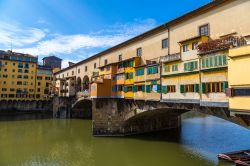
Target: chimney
(71,63)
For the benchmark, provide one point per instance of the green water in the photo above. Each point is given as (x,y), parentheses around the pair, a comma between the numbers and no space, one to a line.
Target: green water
(70,143)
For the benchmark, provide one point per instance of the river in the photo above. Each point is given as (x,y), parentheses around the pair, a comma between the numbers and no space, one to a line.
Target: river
(48,142)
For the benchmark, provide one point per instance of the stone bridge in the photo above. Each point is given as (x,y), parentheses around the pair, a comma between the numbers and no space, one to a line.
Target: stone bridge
(125,117)
(120,117)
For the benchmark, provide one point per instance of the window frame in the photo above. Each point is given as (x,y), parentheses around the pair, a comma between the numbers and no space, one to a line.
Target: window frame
(208,29)
(165,43)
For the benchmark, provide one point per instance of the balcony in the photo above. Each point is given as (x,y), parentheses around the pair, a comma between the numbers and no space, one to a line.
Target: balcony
(95,74)
(170,58)
(221,44)
(97,80)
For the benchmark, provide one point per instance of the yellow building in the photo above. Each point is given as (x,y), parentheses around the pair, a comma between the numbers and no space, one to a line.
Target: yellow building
(239,80)
(18,73)
(43,83)
(129,70)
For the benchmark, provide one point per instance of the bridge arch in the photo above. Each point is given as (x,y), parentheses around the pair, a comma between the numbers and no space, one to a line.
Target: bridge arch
(82,108)
(79,84)
(85,82)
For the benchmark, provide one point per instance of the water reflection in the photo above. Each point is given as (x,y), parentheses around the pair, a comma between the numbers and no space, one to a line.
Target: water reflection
(69,142)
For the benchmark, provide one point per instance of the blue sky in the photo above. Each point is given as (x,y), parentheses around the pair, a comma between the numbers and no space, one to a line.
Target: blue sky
(76,29)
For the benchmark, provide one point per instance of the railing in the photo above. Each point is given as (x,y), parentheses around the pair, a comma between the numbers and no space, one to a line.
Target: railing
(221,44)
(95,74)
(97,80)
(170,58)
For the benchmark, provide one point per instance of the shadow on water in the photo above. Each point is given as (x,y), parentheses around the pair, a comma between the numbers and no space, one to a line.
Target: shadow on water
(22,116)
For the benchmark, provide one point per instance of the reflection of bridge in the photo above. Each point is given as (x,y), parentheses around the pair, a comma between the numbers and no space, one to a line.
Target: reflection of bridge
(126,117)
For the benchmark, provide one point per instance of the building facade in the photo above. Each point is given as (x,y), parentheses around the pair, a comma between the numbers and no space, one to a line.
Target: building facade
(21,78)
(184,60)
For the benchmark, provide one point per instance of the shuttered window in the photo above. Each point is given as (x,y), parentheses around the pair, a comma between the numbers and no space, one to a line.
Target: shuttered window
(189,88)
(191,66)
(214,61)
(175,67)
(214,87)
(152,70)
(139,72)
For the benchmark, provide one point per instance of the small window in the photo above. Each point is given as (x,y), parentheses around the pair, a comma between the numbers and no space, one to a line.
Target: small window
(139,52)
(94,65)
(105,62)
(185,47)
(164,43)
(72,73)
(194,45)
(86,68)
(120,58)
(204,30)
(78,72)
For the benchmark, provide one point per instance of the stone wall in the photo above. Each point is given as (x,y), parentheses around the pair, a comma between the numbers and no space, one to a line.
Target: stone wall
(119,117)
(25,106)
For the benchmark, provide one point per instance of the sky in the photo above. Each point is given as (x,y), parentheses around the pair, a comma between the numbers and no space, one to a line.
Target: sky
(77,29)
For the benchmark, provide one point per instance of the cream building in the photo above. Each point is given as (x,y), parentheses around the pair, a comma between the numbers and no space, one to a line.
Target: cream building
(183,77)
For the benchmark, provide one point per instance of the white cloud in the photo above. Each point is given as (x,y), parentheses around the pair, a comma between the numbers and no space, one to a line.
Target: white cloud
(65,62)
(18,37)
(60,44)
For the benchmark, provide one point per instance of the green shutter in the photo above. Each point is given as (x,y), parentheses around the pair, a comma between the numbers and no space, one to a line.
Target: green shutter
(195,65)
(220,60)
(148,88)
(203,87)
(211,62)
(207,63)
(154,82)
(131,75)
(203,63)
(135,88)
(159,88)
(182,88)
(215,61)
(224,60)
(143,88)
(164,89)
(224,86)
(125,89)
(197,88)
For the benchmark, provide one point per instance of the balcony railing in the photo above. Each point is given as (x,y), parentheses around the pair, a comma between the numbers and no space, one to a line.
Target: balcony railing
(221,44)
(95,74)
(170,58)
(97,80)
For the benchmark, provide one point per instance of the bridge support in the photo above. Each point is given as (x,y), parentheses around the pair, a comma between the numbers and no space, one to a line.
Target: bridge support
(118,117)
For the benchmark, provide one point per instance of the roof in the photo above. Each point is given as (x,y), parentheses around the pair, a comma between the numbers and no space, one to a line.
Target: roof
(52,57)
(165,26)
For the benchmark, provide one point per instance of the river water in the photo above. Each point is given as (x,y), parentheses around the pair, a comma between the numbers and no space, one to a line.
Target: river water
(51,142)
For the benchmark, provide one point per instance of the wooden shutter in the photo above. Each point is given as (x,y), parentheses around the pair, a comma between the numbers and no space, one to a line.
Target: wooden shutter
(203,87)
(135,88)
(143,88)
(182,88)
(148,88)
(159,88)
(125,89)
(224,86)
(164,89)
(197,88)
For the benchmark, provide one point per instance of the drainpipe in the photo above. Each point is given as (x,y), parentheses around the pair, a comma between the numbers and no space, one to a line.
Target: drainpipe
(200,90)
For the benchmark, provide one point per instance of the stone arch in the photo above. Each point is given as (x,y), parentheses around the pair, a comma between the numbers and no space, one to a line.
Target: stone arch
(82,109)
(78,84)
(153,120)
(85,83)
